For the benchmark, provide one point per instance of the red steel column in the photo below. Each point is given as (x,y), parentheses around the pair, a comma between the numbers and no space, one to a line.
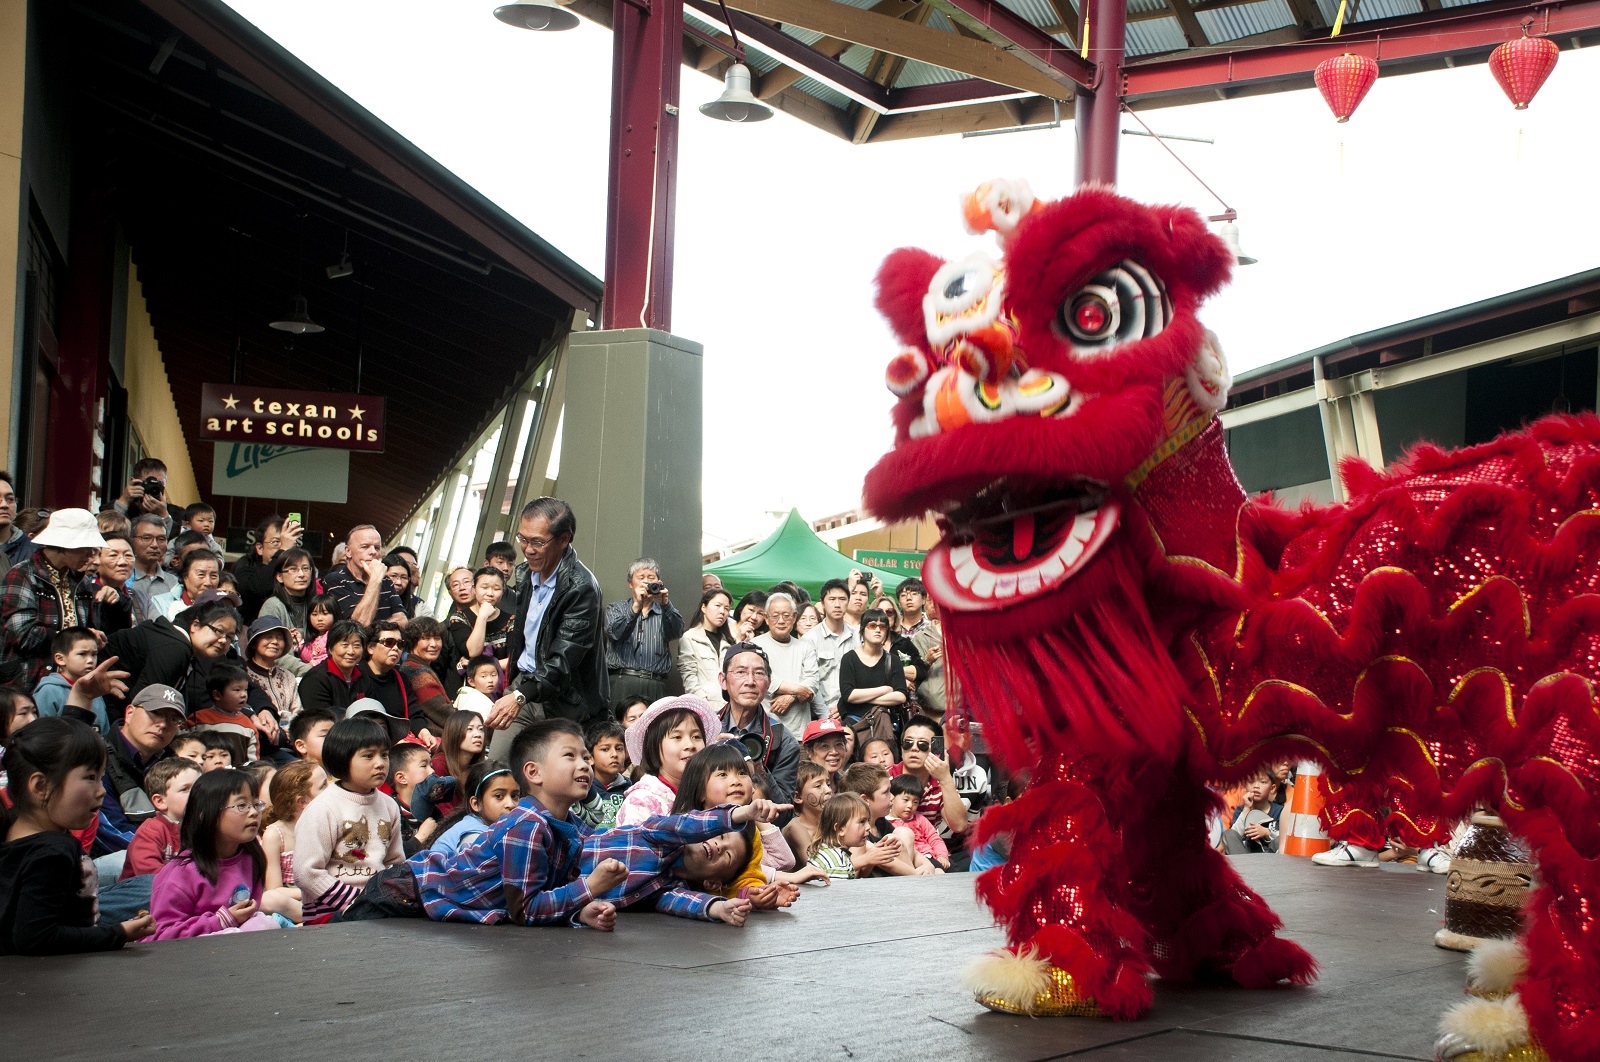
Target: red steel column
(646,51)
(1098,118)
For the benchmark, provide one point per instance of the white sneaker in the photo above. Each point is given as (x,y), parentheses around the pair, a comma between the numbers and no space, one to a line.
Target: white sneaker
(1434,861)
(1345,854)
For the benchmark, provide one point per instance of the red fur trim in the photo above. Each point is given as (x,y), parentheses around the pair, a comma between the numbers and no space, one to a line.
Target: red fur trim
(902,282)
(1274,960)
(1099,679)
(1106,437)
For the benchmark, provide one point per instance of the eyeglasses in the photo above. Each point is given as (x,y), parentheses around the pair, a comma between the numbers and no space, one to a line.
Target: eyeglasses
(392,643)
(915,746)
(149,538)
(251,807)
(221,632)
(748,672)
(299,569)
(533,543)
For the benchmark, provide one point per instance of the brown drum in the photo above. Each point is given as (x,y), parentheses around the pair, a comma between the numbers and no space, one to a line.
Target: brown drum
(1490,875)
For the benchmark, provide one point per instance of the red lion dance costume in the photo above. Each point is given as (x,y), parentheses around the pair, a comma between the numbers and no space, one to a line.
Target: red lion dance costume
(1129,626)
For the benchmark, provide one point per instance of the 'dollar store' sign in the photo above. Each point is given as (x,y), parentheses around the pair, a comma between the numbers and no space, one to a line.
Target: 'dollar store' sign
(274,417)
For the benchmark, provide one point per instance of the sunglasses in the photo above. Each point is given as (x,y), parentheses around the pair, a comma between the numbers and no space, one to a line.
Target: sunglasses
(392,643)
(936,746)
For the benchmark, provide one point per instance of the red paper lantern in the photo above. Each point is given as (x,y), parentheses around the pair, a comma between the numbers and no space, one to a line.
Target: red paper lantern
(1521,66)
(1344,81)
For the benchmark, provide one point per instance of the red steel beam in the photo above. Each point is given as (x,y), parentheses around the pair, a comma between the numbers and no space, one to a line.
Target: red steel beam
(641,199)
(1033,46)
(1451,32)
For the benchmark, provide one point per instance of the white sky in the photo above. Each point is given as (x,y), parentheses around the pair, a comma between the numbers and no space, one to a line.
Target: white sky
(1436,193)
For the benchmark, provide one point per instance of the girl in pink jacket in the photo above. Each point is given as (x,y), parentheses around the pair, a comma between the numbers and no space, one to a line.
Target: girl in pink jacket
(215,884)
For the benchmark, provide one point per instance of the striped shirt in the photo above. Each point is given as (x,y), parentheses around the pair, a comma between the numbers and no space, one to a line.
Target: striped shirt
(523,870)
(649,851)
(638,640)
(834,861)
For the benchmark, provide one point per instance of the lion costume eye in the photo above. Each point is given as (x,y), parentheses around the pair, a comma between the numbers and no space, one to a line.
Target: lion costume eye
(1124,304)
(963,297)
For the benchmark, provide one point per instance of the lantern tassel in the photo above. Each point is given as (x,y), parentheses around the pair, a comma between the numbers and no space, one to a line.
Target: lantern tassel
(1338,20)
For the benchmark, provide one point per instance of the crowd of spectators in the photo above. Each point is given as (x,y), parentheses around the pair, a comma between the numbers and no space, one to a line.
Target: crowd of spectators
(196,743)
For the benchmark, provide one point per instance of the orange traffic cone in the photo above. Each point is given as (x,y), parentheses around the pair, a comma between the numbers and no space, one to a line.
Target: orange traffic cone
(1302,834)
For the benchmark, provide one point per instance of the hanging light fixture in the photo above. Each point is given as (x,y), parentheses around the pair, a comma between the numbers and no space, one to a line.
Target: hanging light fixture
(298,320)
(1520,66)
(1228,232)
(541,15)
(736,104)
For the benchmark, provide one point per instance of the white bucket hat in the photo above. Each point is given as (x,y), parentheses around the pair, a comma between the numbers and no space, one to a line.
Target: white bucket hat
(70,529)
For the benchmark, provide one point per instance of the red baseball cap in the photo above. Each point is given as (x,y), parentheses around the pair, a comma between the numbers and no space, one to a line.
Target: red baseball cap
(820,728)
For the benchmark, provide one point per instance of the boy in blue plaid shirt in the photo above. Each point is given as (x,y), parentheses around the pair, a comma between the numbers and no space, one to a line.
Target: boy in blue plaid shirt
(539,865)
(525,868)
(665,853)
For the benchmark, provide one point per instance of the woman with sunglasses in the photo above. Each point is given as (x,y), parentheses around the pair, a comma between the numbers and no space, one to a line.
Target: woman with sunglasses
(872,682)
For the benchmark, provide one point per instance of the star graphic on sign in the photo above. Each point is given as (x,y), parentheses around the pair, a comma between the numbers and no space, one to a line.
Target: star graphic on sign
(230,401)
(355,412)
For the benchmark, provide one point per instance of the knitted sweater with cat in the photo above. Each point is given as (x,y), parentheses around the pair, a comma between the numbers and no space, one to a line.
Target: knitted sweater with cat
(341,840)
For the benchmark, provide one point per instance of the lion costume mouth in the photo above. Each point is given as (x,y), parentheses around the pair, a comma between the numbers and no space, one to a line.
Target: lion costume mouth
(1010,543)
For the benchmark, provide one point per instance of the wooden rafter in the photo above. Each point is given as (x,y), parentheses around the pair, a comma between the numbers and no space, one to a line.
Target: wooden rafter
(1193,32)
(1068,20)
(884,34)
(967,119)
(885,68)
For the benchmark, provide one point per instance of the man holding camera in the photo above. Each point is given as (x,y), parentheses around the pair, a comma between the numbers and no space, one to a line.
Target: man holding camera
(638,634)
(746,674)
(145,494)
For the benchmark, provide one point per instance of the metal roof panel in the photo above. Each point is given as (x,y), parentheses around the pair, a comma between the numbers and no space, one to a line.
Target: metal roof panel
(1155,35)
(1246,20)
(812,87)
(918,73)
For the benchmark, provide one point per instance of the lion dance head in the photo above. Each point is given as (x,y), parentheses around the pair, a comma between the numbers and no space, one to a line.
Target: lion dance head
(1035,393)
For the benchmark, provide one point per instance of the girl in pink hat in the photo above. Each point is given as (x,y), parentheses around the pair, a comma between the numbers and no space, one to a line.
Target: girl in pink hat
(662,741)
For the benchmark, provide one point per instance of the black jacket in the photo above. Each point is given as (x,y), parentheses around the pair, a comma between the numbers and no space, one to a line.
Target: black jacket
(256,583)
(570,680)
(323,688)
(153,652)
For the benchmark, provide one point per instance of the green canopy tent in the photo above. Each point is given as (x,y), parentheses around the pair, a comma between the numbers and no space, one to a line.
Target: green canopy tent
(792,552)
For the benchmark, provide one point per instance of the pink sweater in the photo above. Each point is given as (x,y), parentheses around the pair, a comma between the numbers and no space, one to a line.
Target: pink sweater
(648,796)
(184,904)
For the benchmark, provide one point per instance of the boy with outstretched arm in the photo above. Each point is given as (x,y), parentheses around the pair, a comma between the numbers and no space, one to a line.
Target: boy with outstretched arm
(525,868)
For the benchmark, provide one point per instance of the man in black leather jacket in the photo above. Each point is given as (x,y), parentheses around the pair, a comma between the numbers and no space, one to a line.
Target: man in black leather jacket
(556,650)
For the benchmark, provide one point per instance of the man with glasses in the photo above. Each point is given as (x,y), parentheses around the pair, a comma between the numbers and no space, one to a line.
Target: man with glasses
(556,659)
(745,677)
(922,756)
(639,632)
(150,579)
(794,665)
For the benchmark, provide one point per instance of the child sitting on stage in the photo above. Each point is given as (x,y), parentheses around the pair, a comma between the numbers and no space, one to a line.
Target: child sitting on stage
(905,792)
(217,885)
(160,837)
(608,754)
(491,793)
(720,775)
(352,829)
(841,848)
(812,788)
(524,870)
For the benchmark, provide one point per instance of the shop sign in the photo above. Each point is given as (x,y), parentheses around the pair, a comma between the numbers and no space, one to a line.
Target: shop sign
(276,417)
